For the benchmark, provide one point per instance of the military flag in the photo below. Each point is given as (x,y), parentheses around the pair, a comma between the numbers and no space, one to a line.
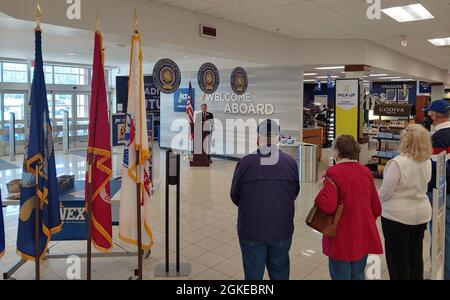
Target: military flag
(99,152)
(39,161)
(136,157)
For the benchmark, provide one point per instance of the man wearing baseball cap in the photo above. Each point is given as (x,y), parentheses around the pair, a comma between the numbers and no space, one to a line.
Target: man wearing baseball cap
(264,188)
(439,112)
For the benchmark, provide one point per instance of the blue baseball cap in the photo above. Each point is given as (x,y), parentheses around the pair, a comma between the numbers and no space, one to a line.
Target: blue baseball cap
(440,106)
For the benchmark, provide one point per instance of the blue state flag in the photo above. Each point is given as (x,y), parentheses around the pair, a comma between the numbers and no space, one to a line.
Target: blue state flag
(2,229)
(39,158)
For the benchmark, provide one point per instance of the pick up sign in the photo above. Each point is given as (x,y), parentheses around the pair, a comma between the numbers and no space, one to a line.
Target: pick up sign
(393,110)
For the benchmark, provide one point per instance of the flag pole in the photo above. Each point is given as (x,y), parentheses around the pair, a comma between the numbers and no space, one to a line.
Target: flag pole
(37,208)
(138,182)
(89,197)
(37,225)
(89,220)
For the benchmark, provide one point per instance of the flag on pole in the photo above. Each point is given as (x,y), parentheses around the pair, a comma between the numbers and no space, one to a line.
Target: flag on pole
(190,109)
(2,230)
(99,148)
(39,156)
(136,143)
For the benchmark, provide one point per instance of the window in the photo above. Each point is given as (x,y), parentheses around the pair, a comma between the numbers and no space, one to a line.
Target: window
(14,72)
(63,102)
(14,103)
(48,72)
(70,75)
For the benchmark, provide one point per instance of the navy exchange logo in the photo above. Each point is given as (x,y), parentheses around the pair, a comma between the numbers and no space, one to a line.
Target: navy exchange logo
(167,76)
(208,78)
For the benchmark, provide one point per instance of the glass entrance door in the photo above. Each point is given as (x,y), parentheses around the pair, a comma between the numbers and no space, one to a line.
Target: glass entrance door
(61,103)
(81,121)
(13,102)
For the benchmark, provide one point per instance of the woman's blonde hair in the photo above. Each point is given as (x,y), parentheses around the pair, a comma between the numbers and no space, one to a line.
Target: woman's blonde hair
(415,143)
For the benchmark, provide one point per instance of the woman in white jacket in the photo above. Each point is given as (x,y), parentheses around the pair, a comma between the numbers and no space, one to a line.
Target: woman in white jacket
(406,208)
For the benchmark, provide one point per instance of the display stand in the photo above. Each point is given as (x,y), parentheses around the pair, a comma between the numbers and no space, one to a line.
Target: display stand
(177,269)
(393,118)
(438,221)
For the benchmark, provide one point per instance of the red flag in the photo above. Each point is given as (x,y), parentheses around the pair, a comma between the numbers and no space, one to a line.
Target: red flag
(100,148)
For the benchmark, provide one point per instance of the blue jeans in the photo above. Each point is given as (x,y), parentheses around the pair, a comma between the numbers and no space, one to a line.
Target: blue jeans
(346,270)
(256,256)
(447,236)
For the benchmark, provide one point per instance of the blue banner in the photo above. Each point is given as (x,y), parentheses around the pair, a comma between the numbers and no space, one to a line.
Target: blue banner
(397,92)
(118,129)
(39,161)
(180,99)
(424,87)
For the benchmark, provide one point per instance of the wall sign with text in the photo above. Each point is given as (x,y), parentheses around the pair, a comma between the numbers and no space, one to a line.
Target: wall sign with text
(393,110)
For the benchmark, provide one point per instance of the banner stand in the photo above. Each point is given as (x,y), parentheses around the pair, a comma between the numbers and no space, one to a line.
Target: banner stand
(438,220)
(177,269)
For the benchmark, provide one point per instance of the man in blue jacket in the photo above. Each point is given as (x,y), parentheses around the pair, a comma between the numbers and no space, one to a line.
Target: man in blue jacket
(265,187)
(439,112)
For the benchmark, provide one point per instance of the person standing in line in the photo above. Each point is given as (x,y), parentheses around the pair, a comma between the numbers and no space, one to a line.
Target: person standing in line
(264,188)
(352,184)
(438,111)
(406,208)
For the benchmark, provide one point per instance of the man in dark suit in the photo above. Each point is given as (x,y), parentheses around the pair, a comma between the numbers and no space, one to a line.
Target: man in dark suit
(207,120)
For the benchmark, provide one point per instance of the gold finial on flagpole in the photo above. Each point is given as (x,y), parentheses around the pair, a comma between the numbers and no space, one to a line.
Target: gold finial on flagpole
(38,16)
(97,23)
(135,20)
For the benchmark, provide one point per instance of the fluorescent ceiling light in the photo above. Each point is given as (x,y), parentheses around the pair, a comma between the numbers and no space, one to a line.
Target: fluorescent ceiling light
(310,74)
(309,80)
(331,68)
(326,77)
(378,75)
(393,77)
(408,79)
(408,13)
(440,42)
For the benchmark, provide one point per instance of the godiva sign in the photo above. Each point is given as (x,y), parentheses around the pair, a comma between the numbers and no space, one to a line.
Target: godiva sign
(393,110)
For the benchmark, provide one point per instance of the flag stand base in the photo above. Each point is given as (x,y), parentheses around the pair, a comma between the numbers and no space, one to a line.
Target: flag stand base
(8,275)
(185,270)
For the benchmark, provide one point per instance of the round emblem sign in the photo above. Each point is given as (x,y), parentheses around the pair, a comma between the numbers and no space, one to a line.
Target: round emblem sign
(239,81)
(208,78)
(167,76)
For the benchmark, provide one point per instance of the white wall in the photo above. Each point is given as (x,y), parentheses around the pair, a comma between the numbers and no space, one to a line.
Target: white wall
(281,87)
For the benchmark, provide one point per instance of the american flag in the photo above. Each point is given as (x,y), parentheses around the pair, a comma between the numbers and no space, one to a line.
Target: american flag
(190,109)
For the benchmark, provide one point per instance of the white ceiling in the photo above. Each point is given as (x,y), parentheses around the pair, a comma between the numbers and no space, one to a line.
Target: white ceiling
(336,19)
(17,42)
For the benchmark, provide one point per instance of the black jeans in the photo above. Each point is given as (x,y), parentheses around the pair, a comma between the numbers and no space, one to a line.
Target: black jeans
(404,249)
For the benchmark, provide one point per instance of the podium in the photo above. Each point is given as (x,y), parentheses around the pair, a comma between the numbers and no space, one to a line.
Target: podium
(200,158)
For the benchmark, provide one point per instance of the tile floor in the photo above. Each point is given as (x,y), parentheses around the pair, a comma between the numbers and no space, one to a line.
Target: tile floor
(208,241)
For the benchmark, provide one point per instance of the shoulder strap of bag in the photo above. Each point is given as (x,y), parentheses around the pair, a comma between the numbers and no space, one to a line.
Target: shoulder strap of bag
(333,183)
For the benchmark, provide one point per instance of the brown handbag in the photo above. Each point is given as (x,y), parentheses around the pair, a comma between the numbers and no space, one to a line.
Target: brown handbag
(322,222)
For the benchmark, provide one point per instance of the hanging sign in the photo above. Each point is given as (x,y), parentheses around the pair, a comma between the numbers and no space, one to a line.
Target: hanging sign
(167,76)
(239,81)
(393,110)
(208,78)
